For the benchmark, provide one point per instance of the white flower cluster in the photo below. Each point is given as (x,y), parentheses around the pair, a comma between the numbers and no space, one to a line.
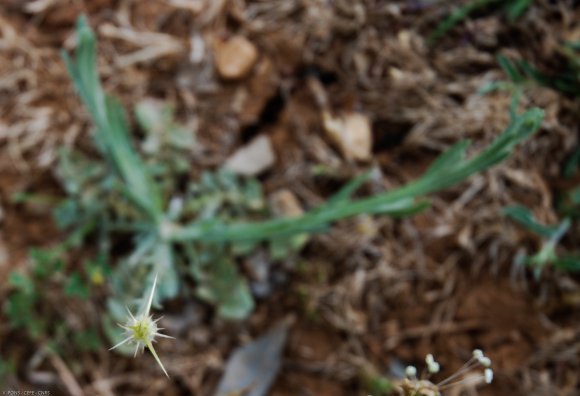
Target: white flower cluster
(432,366)
(413,384)
(485,362)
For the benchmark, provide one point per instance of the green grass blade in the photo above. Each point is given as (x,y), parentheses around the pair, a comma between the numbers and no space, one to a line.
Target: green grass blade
(510,68)
(453,155)
(448,170)
(349,189)
(514,9)
(112,130)
(568,263)
(524,216)
(517,8)
(572,165)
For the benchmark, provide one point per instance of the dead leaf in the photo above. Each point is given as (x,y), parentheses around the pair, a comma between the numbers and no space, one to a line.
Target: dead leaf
(252,368)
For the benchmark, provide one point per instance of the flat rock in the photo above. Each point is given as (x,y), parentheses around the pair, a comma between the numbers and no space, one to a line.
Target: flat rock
(253,158)
(252,368)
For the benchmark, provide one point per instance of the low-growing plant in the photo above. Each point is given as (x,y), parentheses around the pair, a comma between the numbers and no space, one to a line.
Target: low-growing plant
(26,308)
(567,78)
(551,236)
(197,231)
(516,84)
(568,207)
(138,208)
(521,76)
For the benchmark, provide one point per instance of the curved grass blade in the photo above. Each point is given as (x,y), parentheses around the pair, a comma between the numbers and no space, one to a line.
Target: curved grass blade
(450,169)
(112,131)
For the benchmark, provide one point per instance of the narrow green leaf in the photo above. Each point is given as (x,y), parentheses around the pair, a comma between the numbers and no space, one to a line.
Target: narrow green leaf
(457,16)
(572,165)
(166,268)
(524,216)
(510,68)
(390,202)
(451,157)
(112,130)
(568,263)
(516,8)
(349,189)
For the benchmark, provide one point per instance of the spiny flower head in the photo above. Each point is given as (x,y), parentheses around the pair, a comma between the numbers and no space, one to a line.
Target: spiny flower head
(142,330)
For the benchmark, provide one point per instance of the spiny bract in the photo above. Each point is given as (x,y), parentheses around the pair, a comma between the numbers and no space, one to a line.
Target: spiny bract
(142,329)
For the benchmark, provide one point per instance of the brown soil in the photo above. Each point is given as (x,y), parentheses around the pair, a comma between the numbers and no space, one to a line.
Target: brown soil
(442,282)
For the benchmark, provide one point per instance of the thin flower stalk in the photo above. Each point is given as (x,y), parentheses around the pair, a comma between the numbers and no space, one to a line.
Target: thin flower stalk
(415,386)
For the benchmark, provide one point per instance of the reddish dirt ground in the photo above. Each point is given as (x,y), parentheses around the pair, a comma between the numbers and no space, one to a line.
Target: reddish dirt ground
(371,295)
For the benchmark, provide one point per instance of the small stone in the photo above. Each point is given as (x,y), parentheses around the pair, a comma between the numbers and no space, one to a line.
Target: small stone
(253,158)
(235,57)
(261,289)
(198,49)
(258,266)
(285,204)
(251,369)
(352,133)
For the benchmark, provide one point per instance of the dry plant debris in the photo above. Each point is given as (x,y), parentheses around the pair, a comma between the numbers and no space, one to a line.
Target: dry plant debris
(442,282)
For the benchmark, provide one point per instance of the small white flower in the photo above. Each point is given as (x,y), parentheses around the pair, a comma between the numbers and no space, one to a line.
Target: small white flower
(411,371)
(479,359)
(142,329)
(432,366)
(488,374)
